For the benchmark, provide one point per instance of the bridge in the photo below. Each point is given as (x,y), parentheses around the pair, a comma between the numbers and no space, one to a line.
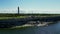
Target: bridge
(21,21)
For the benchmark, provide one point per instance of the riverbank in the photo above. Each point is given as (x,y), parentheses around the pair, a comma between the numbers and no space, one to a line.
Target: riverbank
(28,26)
(51,29)
(32,25)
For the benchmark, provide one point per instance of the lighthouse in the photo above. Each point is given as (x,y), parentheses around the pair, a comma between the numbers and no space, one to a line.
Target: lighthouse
(18,9)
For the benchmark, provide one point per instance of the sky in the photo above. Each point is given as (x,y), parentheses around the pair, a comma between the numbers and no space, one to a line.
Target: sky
(30,6)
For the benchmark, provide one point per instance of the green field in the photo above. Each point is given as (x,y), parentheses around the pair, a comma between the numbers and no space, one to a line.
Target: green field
(10,16)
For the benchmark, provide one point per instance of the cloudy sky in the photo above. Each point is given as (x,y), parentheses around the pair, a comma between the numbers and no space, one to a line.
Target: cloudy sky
(30,6)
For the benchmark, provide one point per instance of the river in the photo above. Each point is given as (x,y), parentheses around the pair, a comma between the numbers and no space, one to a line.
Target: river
(51,29)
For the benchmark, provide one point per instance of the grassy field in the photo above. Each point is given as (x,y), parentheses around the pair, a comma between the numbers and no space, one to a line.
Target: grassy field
(14,15)
(10,16)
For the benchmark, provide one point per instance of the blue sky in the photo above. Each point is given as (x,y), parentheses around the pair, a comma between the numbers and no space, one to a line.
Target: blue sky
(38,5)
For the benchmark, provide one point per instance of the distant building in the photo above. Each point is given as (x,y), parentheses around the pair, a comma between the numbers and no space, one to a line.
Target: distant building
(18,9)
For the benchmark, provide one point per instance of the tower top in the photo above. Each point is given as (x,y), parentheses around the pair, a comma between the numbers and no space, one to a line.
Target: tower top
(18,6)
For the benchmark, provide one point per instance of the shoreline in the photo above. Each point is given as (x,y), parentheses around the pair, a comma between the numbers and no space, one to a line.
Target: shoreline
(30,25)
